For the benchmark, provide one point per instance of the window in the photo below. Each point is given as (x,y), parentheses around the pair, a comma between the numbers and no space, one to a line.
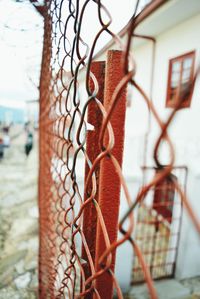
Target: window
(164,195)
(180,80)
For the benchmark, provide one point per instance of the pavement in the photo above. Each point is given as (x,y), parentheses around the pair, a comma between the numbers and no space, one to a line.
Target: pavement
(18,222)
(169,289)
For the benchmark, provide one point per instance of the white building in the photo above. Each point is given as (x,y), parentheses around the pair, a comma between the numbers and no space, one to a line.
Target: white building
(166,64)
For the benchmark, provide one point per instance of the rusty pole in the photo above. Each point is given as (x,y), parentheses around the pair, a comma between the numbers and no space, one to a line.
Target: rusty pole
(94,118)
(44,258)
(109,181)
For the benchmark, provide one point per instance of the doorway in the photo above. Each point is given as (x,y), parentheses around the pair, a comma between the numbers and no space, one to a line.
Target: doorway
(158,225)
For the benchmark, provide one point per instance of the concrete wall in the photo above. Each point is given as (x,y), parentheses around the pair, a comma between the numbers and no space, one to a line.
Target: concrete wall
(184,130)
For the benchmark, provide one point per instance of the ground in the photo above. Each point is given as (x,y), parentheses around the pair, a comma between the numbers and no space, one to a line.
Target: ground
(169,289)
(19,230)
(18,221)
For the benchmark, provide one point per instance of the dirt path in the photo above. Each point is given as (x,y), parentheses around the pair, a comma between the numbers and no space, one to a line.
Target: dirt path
(18,222)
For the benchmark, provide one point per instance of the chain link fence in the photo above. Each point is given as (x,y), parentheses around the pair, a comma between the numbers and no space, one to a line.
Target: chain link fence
(87,208)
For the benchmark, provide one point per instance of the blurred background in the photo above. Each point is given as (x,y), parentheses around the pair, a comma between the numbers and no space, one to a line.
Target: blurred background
(21,37)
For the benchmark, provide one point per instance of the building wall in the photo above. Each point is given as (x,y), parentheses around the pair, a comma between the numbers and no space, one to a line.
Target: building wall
(9,115)
(183,131)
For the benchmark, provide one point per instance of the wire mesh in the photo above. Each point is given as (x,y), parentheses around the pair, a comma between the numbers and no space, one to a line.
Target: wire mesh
(73,223)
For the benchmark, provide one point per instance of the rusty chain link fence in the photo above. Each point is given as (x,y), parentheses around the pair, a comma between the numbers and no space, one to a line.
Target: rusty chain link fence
(83,105)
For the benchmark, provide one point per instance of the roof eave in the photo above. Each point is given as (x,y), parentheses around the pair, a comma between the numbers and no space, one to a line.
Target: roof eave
(148,10)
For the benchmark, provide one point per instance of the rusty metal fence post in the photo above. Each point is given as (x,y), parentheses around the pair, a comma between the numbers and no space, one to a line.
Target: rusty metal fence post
(92,149)
(45,162)
(109,182)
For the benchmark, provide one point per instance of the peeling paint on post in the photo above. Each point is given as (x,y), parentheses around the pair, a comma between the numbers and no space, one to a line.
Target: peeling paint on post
(92,149)
(109,182)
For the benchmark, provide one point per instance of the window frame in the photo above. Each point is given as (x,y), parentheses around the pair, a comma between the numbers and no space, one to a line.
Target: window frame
(186,103)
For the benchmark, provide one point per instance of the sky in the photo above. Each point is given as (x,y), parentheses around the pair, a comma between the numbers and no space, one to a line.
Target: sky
(21,36)
(21,33)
